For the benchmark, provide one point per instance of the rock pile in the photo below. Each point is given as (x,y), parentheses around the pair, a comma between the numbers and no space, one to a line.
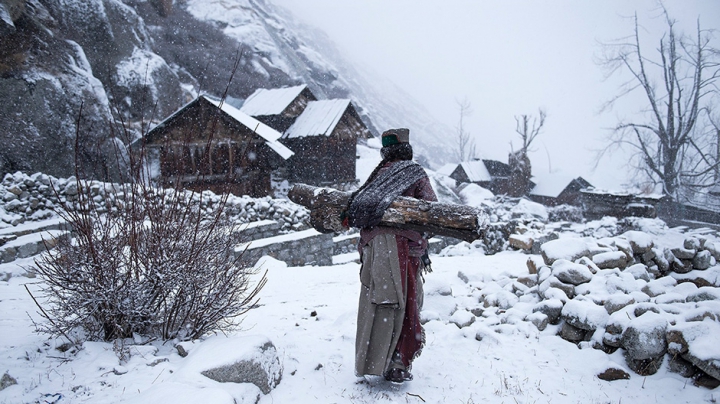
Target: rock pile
(35,197)
(625,292)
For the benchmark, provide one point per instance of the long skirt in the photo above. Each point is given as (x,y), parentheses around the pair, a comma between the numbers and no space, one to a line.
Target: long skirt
(389,333)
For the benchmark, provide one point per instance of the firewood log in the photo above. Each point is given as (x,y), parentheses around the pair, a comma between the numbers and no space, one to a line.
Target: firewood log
(458,221)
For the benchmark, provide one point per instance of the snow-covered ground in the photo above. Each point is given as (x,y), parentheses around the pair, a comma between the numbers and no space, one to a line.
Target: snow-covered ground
(309,314)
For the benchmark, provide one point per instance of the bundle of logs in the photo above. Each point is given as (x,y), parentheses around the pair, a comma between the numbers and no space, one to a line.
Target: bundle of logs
(459,221)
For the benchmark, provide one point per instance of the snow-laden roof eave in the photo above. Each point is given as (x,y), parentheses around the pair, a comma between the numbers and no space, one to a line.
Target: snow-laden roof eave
(270,135)
(318,119)
(162,123)
(273,101)
(476,171)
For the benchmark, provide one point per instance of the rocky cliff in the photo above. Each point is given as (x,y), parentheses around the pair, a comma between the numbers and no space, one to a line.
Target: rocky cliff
(92,69)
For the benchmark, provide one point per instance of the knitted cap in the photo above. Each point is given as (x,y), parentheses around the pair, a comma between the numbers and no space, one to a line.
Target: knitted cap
(395,136)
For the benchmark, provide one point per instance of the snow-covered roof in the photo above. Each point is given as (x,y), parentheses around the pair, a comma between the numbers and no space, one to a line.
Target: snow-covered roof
(271,101)
(551,185)
(476,171)
(447,169)
(318,118)
(270,135)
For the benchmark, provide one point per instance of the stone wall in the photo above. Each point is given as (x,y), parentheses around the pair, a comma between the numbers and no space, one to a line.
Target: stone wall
(307,247)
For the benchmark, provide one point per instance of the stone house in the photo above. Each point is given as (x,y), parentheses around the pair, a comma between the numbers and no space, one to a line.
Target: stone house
(209,145)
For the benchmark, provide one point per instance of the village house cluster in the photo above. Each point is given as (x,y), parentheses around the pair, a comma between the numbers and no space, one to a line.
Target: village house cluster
(277,134)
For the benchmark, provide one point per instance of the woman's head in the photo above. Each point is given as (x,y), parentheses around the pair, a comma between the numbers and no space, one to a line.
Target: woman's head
(396,145)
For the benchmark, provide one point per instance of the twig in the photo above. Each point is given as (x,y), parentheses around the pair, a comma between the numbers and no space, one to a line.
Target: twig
(416,395)
(161,372)
(46,315)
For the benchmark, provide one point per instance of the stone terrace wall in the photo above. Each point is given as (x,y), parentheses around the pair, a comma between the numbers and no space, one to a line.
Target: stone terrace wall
(34,197)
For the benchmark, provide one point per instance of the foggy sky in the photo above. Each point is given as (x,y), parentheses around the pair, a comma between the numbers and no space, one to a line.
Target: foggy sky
(507,58)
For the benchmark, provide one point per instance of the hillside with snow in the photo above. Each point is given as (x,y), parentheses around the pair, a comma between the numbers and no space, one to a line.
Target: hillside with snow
(106,69)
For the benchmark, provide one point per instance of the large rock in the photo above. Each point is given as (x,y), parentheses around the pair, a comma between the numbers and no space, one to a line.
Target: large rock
(610,259)
(6,381)
(617,302)
(645,337)
(10,11)
(552,308)
(585,315)
(238,360)
(697,342)
(554,283)
(708,277)
(702,260)
(570,249)
(683,253)
(640,242)
(570,272)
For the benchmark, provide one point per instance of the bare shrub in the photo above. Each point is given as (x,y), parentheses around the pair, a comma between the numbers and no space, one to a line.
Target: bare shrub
(151,261)
(157,263)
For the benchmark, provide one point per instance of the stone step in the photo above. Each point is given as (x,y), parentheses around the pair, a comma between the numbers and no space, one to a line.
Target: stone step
(30,244)
(33,227)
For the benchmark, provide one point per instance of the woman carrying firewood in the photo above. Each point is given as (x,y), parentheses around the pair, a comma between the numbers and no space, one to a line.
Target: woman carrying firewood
(389,333)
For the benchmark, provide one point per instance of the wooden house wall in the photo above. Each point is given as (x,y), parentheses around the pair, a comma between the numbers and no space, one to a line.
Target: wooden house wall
(237,160)
(351,127)
(321,160)
(299,104)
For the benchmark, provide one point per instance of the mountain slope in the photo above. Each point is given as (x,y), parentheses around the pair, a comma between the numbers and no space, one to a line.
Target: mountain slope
(133,61)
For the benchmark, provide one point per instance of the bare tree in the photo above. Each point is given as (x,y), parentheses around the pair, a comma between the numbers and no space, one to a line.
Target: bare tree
(677,83)
(529,127)
(465,144)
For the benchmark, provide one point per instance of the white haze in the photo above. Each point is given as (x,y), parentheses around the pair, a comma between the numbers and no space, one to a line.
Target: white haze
(506,58)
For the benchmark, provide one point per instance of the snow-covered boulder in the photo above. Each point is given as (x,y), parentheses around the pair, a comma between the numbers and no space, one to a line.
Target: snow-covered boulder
(697,343)
(640,242)
(644,337)
(462,318)
(554,283)
(584,314)
(617,301)
(552,308)
(659,286)
(610,259)
(570,272)
(570,249)
(527,208)
(708,277)
(251,359)
(702,260)
(475,195)
(683,253)
(521,241)
(639,271)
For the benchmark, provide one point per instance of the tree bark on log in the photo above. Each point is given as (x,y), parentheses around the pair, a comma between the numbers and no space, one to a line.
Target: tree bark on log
(458,221)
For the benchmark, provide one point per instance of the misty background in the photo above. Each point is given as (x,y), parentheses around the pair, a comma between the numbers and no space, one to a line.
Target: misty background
(508,59)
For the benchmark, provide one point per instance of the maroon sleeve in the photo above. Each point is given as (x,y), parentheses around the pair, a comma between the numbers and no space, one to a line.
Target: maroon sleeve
(422,190)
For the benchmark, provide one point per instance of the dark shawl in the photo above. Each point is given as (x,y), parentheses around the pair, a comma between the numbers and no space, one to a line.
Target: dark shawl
(369,205)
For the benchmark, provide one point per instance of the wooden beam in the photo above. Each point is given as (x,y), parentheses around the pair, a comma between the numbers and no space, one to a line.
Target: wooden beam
(458,221)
